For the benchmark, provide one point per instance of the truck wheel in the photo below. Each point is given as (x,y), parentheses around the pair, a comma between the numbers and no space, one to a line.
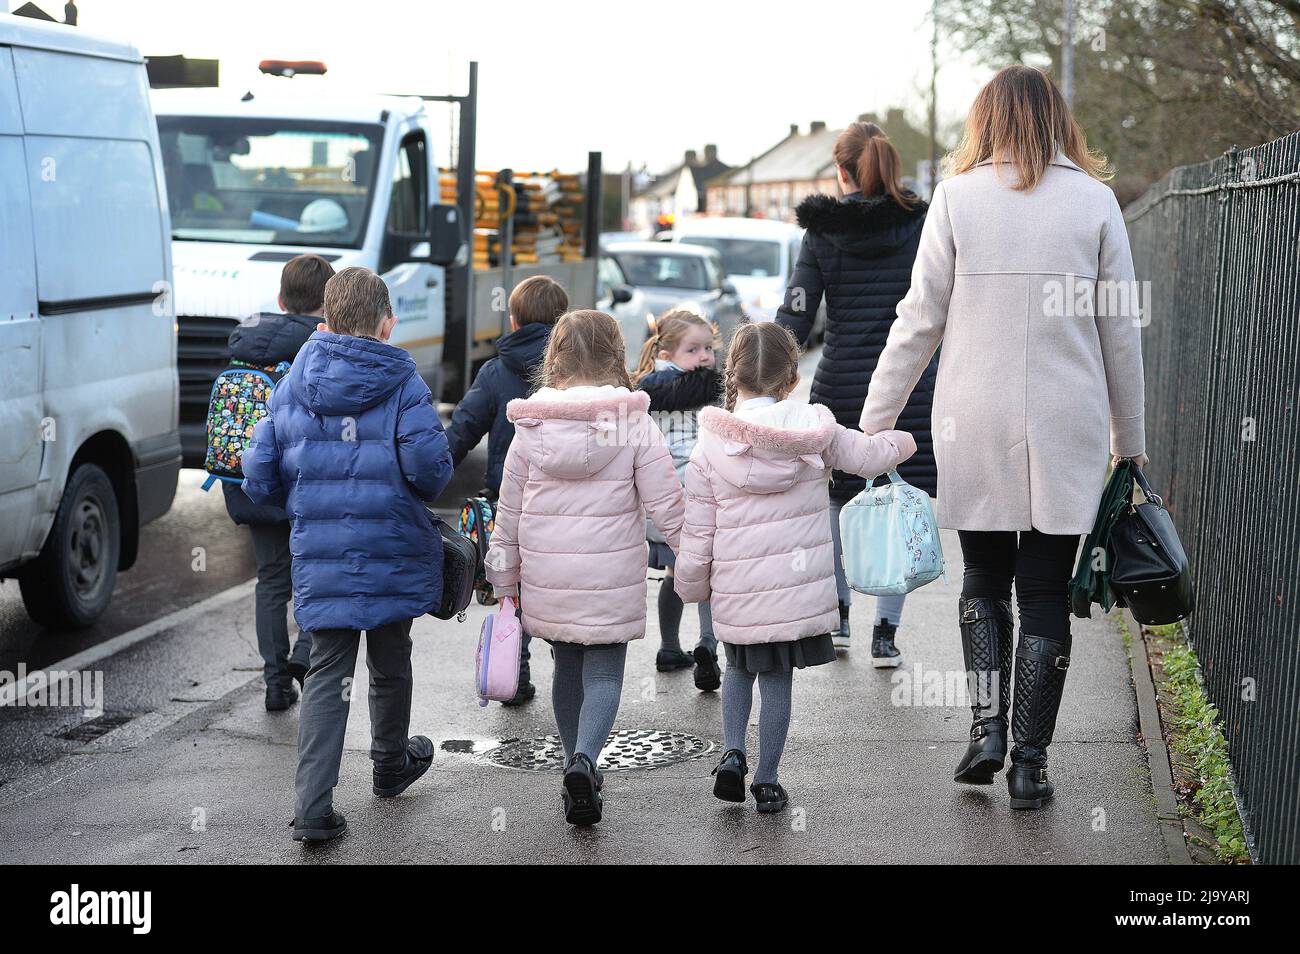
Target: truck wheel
(71,582)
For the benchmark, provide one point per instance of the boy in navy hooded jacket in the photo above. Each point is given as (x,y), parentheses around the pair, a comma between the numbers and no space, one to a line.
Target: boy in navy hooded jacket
(352,449)
(535,305)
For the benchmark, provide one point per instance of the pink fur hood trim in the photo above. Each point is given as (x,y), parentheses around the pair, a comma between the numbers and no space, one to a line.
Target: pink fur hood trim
(542,409)
(729,427)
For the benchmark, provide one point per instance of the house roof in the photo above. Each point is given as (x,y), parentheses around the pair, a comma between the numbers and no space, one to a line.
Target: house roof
(704,171)
(798,157)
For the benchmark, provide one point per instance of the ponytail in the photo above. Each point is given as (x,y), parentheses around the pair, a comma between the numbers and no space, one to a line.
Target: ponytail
(649,351)
(869,159)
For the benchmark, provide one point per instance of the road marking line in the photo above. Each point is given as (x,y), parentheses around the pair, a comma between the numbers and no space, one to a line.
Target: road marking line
(10,693)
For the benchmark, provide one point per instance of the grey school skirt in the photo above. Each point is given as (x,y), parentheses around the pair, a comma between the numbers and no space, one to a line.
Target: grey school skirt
(781,657)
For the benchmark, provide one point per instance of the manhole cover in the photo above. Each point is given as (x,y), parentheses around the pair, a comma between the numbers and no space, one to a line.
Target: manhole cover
(626,749)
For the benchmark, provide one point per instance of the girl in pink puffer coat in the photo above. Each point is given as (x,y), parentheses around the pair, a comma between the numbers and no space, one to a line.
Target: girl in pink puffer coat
(586,466)
(757,541)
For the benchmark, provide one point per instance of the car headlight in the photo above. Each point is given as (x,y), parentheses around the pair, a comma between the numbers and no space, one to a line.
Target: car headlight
(768,300)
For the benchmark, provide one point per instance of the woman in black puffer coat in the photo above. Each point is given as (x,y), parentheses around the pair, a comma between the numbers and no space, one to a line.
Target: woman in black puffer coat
(858,252)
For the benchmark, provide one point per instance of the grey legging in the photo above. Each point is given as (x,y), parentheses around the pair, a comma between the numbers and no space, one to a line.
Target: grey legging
(585,692)
(773,717)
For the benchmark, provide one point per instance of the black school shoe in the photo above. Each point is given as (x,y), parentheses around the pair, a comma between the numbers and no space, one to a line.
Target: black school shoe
(884,654)
(770,796)
(582,800)
(729,776)
(278,699)
(708,675)
(419,756)
(323,828)
(668,660)
(523,694)
(841,637)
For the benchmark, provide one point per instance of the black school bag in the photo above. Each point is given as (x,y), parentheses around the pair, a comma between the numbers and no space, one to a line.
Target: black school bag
(460,568)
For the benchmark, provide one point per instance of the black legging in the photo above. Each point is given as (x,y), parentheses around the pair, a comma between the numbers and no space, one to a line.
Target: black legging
(1040,564)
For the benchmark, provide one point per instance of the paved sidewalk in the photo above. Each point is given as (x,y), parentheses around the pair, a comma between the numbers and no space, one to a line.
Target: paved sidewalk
(870,781)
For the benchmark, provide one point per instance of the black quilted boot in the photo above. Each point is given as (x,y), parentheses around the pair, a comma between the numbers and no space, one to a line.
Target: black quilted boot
(1041,664)
(986,630)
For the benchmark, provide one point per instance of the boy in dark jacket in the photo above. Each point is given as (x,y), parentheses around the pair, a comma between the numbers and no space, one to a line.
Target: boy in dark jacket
(352,449)
(263,341)
(535,305)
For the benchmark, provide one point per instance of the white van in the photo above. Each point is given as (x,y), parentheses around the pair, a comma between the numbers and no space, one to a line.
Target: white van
(758,254)
(89,450)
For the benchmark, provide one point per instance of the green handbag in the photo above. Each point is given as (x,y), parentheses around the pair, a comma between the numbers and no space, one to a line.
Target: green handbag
(1091,581)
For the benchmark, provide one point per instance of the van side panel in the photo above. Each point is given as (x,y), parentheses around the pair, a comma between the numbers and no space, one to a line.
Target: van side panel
(96,220)
(63,94)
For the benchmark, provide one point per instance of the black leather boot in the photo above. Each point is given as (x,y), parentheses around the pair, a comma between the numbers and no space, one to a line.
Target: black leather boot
(1041,664)
(986,629)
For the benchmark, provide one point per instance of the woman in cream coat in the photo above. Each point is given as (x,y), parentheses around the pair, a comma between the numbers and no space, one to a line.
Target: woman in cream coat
(1024,276)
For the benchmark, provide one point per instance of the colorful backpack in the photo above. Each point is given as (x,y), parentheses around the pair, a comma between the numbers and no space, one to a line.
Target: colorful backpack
(239,398)
(476,522)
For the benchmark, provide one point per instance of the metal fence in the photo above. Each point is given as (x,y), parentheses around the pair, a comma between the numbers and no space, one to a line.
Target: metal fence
(1219,244)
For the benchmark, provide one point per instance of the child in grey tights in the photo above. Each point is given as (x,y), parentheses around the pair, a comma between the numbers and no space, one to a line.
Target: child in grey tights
(586,466)
(757,541)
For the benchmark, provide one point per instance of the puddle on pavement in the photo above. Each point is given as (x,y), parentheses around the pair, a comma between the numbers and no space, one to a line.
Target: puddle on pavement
(471,746)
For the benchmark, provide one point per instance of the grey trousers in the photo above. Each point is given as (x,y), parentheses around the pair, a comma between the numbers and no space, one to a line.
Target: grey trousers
(271,596)
(323,718)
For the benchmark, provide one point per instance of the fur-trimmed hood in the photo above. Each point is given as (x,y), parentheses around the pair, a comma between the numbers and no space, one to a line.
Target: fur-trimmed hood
(577,432)
(768,450)
(868,226)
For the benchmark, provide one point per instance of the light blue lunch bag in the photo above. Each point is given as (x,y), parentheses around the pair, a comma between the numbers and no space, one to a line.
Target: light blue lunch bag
(891,540)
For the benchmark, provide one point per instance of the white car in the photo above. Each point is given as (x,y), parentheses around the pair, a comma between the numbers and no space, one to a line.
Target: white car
(758,254)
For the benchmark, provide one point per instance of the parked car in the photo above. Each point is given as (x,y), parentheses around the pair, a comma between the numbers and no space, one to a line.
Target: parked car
(674,276)
(89,449)
(609,238)
(758,254)
(626,303)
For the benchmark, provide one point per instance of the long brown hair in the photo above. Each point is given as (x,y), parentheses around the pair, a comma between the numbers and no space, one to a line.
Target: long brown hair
(763,359)
(665,335)
(1021,117)
(870,161)
(585,346)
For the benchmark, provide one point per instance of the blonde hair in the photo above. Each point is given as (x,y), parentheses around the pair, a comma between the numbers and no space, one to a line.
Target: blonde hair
(1021,117)
(665,335)
(870,161)
(356,302)
(585,346)
(763,359)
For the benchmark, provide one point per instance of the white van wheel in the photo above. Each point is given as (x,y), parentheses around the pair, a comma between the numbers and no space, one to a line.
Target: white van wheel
(71,583)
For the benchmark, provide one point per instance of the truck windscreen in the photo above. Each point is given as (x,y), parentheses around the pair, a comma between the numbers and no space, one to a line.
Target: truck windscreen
(269,181)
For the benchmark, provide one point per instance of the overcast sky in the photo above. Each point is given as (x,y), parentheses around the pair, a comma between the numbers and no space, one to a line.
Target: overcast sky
(639,81)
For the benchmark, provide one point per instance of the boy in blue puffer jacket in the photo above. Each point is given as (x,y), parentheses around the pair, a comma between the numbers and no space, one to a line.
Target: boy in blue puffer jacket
(351,449)
(535,305)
